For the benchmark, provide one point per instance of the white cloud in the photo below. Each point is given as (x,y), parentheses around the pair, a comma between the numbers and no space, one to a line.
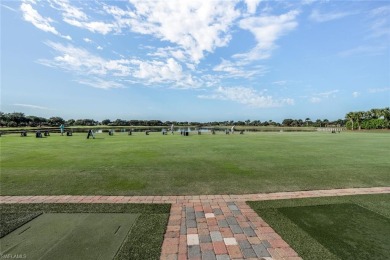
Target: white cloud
(118,12)
(191,66)
(318,97)
(69,11)
(380,22)
(98,27)
(239,69)
(81,61)
(315,100)
(100,83)
(355,94)
(164,72)
(377,34)
(31,106)
(328,94)
(43,23)
(247,96)
(267,29)
(280,82)
(319,17)
(382,10)
(364,50)
(195,26)
(378,90)
(32,15)
(9,8)
(251,5)
(98,47)
(66,37)
(167,52)
(120,68)
(76,17)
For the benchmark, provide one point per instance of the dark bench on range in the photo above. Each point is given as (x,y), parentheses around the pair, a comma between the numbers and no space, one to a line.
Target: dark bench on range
(38,134)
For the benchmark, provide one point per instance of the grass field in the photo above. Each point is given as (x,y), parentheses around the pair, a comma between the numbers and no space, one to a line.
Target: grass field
(204,164)
(333,228)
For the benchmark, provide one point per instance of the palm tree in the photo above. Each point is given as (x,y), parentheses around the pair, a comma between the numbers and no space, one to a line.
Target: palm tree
(359,116)
(307,120)
(375,113)
(386,113)
(350,116)
(326,122)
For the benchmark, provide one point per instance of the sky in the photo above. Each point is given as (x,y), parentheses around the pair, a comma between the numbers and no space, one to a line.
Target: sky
(202,61)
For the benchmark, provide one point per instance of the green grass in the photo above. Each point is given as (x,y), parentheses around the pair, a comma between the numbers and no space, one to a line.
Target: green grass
(205,164)
(144,241)
(347,227)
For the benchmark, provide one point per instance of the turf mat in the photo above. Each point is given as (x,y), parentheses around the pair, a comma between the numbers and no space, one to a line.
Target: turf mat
(347,230)
(279,214)
(143,242)
(70,236)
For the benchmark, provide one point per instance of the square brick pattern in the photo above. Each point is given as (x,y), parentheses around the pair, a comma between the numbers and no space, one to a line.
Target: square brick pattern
(233,231)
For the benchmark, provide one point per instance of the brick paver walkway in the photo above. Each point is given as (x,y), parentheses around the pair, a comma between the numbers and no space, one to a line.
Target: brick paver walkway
(212,226)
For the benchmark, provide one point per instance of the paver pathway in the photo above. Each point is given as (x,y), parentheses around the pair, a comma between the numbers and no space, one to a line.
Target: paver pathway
(212,226)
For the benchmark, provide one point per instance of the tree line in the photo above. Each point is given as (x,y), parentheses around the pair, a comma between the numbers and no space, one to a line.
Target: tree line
(376,118)
(18,119)
(372,119)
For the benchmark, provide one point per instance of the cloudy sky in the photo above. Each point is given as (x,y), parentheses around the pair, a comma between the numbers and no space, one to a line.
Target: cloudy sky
(194,60)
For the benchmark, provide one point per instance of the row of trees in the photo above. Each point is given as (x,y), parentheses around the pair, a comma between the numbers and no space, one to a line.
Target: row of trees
(20,120)
(309,123)
(376,118)
(372,119)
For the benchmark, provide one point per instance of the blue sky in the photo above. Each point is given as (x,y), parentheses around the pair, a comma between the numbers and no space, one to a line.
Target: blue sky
(194,60)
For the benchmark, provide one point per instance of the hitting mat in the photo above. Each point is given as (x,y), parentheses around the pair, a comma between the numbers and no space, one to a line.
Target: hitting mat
(347,230)
(70,236)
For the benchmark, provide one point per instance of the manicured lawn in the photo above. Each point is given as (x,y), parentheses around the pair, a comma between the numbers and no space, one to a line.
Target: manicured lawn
(204,164)
(349,227)
(143,241)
